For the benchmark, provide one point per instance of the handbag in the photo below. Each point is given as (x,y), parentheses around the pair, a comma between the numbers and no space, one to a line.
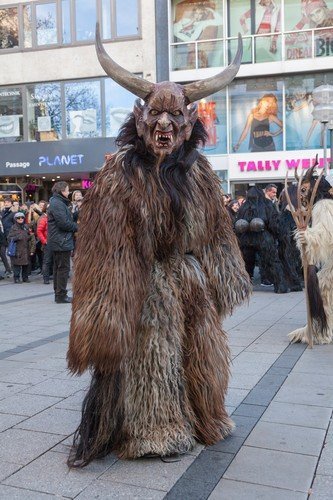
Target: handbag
(11,251)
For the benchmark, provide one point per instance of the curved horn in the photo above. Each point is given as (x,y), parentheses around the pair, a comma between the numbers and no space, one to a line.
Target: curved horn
(126,79)
(309,173)
(202,88)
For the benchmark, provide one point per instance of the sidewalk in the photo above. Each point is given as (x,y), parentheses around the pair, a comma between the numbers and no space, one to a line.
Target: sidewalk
(280,397)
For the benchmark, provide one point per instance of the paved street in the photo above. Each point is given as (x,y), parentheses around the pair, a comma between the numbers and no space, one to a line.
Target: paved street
(280,397)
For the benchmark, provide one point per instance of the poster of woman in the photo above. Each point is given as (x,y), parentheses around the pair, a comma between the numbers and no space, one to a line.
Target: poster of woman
(304,15)
(262,130)
(213,114)
(196,20)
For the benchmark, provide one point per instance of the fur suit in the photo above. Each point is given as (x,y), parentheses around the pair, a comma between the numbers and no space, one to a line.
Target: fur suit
(149,296)
(319,244)
(289,254)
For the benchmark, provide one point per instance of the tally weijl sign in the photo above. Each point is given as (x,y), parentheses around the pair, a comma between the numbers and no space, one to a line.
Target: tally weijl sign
(273,165)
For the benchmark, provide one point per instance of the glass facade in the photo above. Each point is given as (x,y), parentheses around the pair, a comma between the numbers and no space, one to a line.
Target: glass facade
(63,110)
(272,30)
(11,114)
(251,115)
(9,33)
(39,22)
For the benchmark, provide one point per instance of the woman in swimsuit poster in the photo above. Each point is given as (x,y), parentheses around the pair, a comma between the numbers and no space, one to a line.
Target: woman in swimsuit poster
(262,125)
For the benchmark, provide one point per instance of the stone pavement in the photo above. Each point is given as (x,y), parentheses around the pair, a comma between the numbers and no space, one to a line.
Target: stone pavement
(280,397)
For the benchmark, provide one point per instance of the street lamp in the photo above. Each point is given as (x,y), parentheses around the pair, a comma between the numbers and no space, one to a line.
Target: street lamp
(323,112)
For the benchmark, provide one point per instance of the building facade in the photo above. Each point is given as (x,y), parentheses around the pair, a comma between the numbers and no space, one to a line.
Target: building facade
(59,113)
(261,126)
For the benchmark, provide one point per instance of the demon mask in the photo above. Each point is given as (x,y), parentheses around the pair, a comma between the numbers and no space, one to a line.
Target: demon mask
(166,118)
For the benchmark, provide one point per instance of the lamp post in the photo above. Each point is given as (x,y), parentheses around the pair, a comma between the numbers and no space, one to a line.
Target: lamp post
(323,112)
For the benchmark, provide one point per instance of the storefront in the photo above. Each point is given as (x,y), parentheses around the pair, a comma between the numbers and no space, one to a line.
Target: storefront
(270,168)
(35,166)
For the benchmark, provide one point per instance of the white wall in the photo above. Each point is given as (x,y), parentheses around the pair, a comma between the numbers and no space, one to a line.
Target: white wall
(81,61)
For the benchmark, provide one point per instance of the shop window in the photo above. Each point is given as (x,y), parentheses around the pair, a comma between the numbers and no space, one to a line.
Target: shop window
(213,114)
(66,21)
(118,104)
(302,130)
(303,17)
(11,115)
(262,20)
(83,109)
(9,28)
(46,23)
(44,112)
(127,18)
(256,116)
(223,176)
(194,22)
(85,19)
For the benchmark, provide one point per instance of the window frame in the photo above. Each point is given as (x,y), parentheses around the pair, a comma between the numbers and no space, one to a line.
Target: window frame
(74,42)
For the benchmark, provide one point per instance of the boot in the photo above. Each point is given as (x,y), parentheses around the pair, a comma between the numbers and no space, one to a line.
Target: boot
(17,280)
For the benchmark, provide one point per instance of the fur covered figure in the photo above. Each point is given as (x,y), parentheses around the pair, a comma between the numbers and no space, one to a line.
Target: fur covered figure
(289,254)
(256,228)
(157,268)
(318,240)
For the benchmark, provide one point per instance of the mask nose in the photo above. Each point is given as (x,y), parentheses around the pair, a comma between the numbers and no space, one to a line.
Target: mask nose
(164,121)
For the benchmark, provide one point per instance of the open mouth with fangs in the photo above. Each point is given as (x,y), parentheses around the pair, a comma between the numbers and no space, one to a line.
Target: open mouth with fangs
(163,140)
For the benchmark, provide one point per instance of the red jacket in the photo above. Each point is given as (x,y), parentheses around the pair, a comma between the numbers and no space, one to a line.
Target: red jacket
(42,229)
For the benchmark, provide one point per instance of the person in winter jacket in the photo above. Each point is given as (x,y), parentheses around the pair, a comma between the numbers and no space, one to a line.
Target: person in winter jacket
(60,239)
(47,252)
(25,247)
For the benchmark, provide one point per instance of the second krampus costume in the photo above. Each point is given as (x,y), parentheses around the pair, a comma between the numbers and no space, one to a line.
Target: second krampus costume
(318,241)
(257,230)
(157,267)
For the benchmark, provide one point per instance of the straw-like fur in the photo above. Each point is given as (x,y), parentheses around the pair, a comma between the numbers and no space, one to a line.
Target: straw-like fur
(319,245)
(152,283)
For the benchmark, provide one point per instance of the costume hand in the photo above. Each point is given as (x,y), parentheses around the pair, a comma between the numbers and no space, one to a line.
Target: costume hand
(301,236)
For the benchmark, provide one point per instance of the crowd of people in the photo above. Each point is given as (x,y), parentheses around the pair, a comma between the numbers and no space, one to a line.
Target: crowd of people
(40,238)
(265,230)
(262,222)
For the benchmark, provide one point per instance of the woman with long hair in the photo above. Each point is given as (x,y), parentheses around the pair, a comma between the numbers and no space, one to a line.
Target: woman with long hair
(258,124)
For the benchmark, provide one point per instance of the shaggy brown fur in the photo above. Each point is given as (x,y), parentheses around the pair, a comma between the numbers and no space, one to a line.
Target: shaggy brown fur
(157,267)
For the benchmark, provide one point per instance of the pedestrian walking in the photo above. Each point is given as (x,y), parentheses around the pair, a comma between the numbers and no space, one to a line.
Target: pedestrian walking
(25,247)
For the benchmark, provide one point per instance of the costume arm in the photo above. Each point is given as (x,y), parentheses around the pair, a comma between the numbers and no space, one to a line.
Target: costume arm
(112,265)
(319,237)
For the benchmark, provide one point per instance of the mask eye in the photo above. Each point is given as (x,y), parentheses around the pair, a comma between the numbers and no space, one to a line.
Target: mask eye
(177,112)
(154,112)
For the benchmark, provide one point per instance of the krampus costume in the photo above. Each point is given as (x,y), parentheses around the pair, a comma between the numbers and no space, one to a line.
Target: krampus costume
(319,244)
(157,267)
(257,229)
(289,254)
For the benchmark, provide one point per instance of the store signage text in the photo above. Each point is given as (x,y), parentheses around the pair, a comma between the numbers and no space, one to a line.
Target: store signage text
(60,160)
(20,164)
(267,165)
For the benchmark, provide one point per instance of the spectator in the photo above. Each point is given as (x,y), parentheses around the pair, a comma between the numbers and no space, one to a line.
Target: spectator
(25,247)
(77,200)
(47,252)
(60,238)
(232,209)
(270,192)
(7,219)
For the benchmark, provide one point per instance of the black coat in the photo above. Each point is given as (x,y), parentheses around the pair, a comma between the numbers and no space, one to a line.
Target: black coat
(61,228)
(25,244)
(7,219)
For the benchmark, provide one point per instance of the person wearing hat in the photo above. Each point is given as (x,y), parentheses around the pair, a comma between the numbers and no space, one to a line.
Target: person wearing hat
(25,247)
